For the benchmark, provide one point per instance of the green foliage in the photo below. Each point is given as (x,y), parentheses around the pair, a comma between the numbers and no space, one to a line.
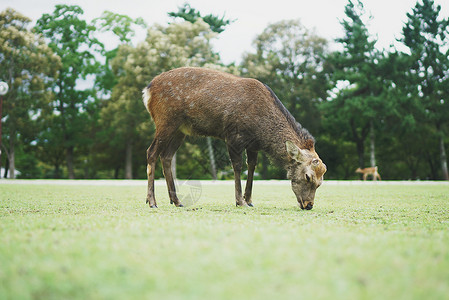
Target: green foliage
(122,26)
(29,66)
(72,39)
(358,101)
(165,48)
(56,125)
(191,15)
(427,35)
(291,60)
(368,241)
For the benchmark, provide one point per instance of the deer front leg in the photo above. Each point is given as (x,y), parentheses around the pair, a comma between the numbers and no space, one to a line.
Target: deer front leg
(365,175)
(251,162)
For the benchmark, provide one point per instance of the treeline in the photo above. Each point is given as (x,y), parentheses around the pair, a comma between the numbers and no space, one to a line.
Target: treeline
(74,107)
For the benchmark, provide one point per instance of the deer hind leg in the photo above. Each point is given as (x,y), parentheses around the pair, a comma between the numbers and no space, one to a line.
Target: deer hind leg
(251,162)
(152,154)
(167,158)
(235,154)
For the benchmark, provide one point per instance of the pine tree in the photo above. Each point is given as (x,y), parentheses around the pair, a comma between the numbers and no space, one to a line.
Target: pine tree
(191,15)
(426,35)
(357,103)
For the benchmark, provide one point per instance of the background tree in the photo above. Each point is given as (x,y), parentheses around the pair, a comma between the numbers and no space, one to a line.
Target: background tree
(72,39)
(401,156)
(357,103)
(123,27)
(105,154)
(426,35)
(352,100)
(191,15)
(290,59)
(28,65)
(217,25)
(165,48)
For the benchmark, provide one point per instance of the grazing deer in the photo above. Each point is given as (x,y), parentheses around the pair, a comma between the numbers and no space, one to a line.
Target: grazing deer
(369,171)
(243,112)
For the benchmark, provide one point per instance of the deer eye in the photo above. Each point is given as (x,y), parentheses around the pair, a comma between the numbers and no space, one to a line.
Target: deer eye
(315,162)
(307,178)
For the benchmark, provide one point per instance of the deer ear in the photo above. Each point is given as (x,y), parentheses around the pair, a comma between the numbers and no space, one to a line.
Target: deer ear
(294,152)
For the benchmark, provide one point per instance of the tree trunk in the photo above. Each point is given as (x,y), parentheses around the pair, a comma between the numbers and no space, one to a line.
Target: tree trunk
(57,172)
(213,166)
(1,116)
(86,169)
(443,157)
(372,145)
(265,163)
(433,169)
(11,156)
(69,158)
(5,174)
(359,141)
(129,160)
(412,163)
(361,153)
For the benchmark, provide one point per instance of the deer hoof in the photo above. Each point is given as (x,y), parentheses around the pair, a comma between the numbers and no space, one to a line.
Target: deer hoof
(180,205)
(153,206)
(250,204)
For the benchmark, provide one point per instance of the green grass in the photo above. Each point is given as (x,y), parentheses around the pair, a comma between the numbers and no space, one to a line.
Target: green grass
(102,242)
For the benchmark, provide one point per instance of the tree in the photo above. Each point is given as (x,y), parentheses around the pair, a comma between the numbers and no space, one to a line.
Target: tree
(357,103)
(29,66)
(191,15)
(72,39)
(122,26)
(165,48)
(401,155)
(290,59)
(217,25)
(427,35)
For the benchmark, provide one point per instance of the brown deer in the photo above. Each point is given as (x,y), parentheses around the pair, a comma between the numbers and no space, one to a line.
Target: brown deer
(243,112)
(369,171)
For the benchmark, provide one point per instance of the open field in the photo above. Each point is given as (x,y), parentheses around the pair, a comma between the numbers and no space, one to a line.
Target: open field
(97,240)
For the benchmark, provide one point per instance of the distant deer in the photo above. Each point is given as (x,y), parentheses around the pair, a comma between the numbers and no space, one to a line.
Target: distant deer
(243,112)
(369,171)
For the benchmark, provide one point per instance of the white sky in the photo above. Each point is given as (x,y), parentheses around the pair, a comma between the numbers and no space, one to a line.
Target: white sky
(252,16)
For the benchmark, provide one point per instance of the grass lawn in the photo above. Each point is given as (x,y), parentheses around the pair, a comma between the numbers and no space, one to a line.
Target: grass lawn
(360,241)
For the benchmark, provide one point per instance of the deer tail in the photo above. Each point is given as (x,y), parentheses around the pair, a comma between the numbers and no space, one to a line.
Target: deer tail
(146,97)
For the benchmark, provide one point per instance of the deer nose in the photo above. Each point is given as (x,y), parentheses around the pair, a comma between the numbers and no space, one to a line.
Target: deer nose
(309,206)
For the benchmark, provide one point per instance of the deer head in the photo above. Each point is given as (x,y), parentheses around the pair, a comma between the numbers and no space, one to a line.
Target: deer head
(306,172)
